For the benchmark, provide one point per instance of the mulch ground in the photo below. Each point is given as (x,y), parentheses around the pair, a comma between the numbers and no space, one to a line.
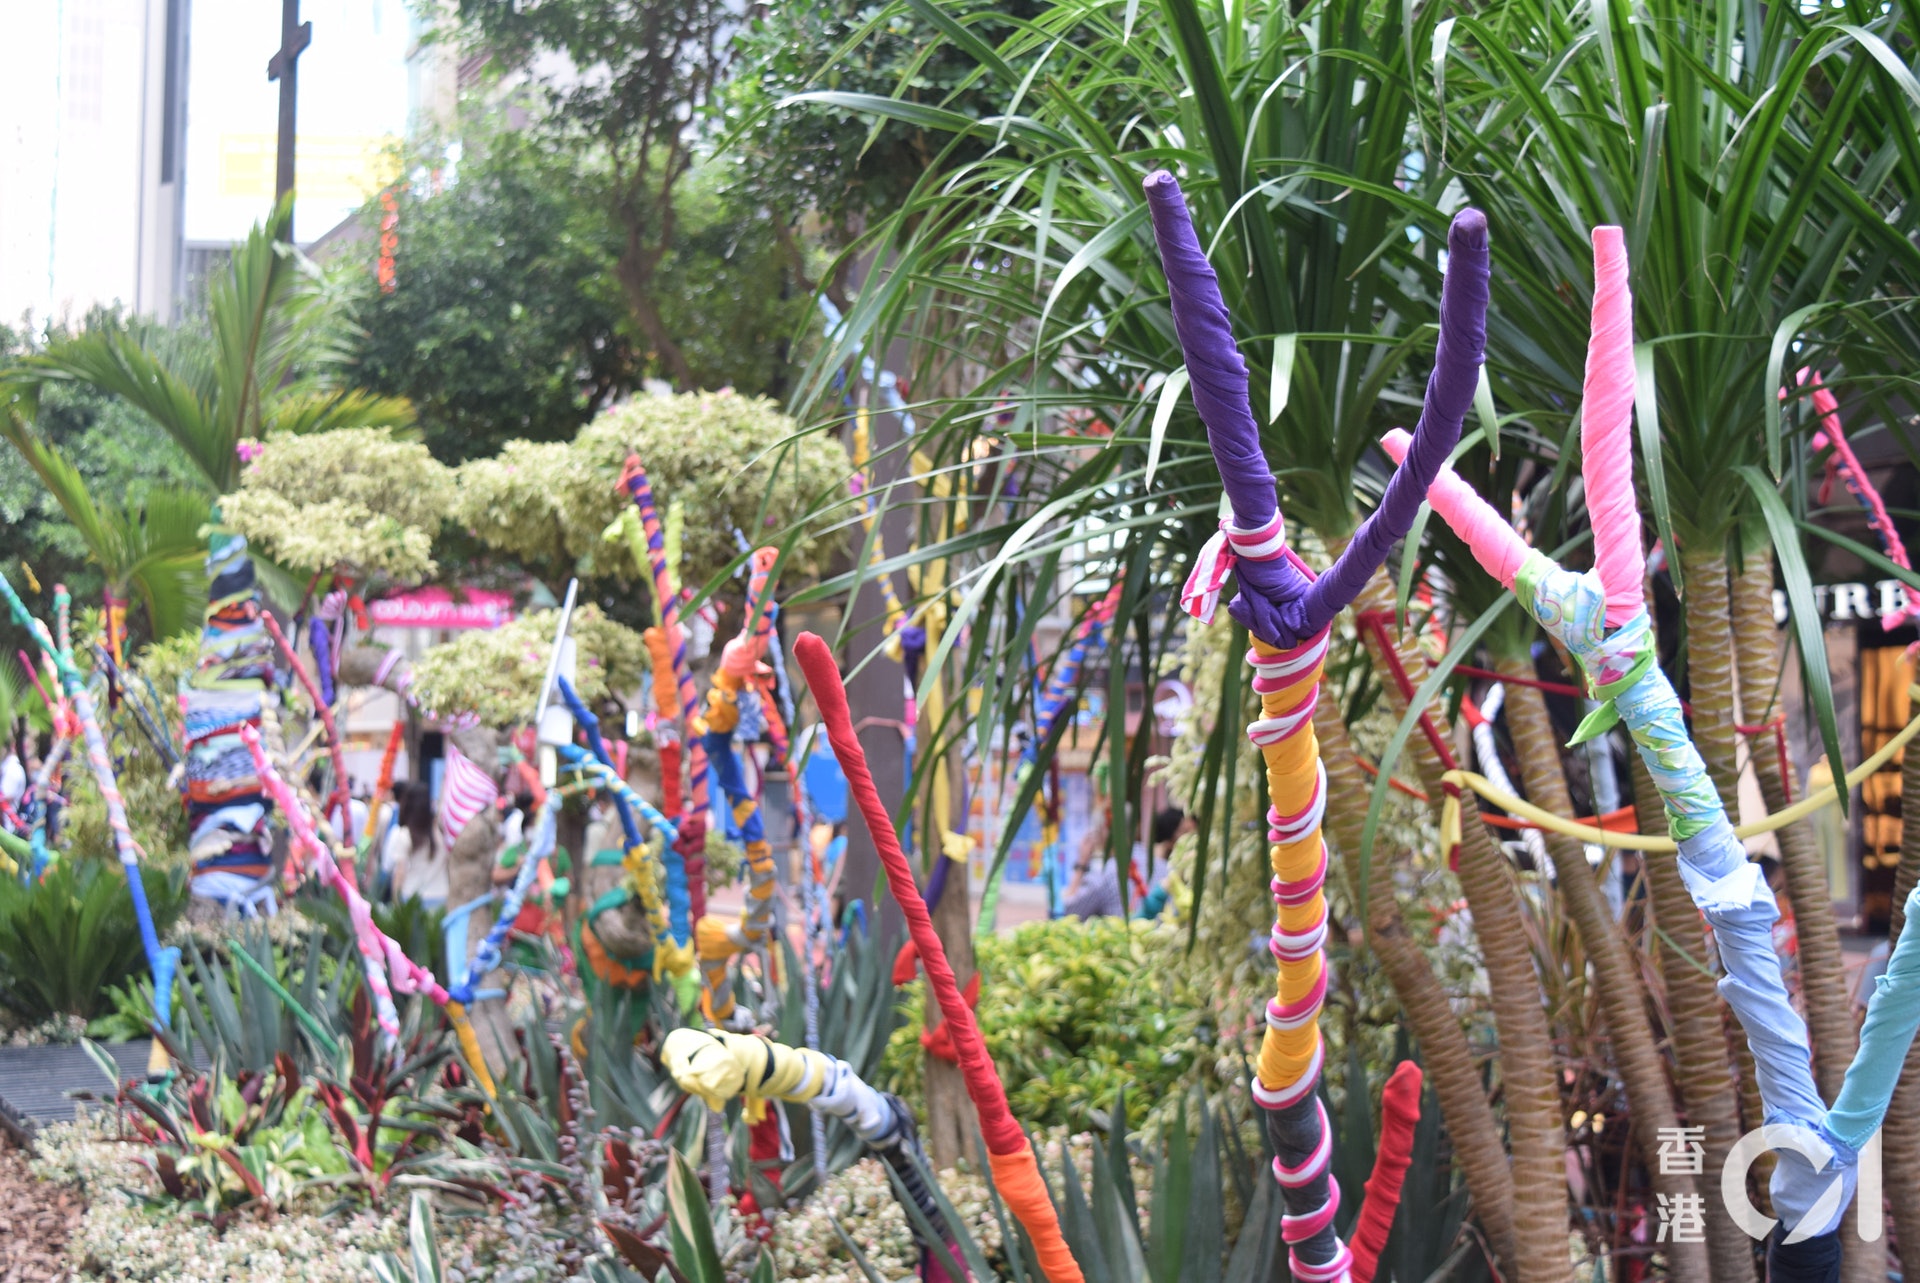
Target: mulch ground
(35,1222)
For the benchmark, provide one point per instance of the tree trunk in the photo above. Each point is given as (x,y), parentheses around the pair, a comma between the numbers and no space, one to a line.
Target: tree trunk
(1536,1126)
(635,272)
(1622,999)
(949,1112)
(1698,1034)
(1823,981)
(1445,1054)
(1901,1132)
(1710,669)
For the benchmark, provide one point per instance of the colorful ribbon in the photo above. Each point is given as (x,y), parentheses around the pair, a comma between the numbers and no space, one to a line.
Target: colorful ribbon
(1844,463)
(689,852)
(1288,611)
(734,705)
(388,968)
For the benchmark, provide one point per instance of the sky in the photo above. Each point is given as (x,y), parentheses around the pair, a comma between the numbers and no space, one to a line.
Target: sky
(353,110)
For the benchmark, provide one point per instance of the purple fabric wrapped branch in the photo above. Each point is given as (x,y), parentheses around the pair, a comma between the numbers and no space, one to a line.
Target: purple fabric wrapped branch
(1276,602)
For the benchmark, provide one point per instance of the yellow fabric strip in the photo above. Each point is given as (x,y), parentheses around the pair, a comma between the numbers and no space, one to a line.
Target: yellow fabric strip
(1816,801)
(1292,775)
(718,1066)
(470,1048)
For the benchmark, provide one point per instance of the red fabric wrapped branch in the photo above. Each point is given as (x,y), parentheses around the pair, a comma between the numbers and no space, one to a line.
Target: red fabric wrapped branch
(1015,1173)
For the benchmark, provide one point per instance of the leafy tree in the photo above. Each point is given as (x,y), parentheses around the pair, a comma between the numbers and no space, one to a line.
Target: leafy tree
(502,321)
(827,159)
(506,321)
(625,84)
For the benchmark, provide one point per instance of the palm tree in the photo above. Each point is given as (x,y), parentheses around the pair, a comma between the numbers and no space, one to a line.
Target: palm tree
(275,363)
(152,547)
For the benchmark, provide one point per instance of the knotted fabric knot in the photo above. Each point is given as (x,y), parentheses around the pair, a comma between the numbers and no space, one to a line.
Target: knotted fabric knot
(1201,596)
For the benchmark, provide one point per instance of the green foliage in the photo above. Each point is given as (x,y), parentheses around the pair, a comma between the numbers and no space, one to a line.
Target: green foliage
(656,67)
(733,460)
(828,161)
(728,289)
(496,673)
(274,364)
(352,496)
(256,1140)
(1748,154)
(504,321)
(1072,1012)
(1289,126)
(117,452)
(67,939)
(18,700)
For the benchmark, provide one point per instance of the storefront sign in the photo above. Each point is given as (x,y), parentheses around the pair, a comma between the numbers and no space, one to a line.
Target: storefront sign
(1849,603)
(434,607)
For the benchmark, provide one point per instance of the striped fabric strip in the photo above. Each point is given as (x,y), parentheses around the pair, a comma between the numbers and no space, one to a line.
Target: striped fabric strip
(464,793)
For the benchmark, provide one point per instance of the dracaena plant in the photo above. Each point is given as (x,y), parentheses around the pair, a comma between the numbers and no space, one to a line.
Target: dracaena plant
(1029,284)
(1052,408)
(1751,154)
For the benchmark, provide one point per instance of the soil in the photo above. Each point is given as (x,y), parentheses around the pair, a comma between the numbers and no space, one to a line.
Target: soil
(35,1221)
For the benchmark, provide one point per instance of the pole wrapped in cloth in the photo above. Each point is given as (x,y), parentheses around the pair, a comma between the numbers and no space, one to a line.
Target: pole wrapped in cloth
(1288,612)
(227,810)
(686,859)
(1016,1174)
(734,707)
(718,1066)
(1601,617)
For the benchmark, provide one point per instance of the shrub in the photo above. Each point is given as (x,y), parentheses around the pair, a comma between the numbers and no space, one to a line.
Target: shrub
(1072,1011)
(496,673)
(355,495)
(720,455)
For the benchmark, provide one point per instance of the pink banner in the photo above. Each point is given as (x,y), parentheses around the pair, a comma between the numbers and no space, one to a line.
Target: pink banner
(435,607)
